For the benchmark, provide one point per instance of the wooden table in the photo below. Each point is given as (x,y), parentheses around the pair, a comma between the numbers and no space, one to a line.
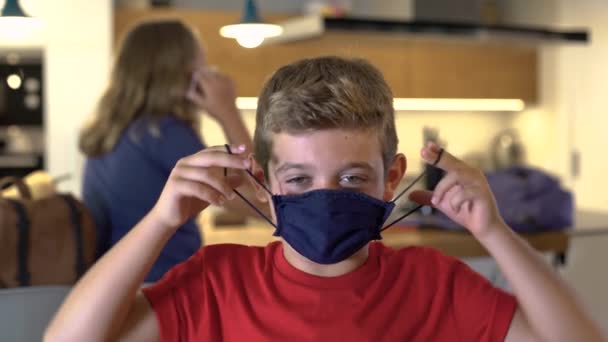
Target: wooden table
(464,245)
(455,243)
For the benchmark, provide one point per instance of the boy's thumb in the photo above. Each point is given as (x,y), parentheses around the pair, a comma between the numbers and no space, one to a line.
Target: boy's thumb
(422,197)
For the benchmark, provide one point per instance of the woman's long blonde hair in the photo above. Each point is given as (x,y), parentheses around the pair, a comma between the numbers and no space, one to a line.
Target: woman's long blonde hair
(150,77)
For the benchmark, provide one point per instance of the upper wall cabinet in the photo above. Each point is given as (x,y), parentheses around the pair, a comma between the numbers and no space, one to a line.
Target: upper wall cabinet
(414,67)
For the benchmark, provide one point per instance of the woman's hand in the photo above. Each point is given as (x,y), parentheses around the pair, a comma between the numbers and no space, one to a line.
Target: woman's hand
(198,181)
(215,93)
(463,194)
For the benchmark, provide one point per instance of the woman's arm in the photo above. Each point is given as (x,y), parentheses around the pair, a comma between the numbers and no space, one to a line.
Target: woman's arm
(234,128)
(106,303)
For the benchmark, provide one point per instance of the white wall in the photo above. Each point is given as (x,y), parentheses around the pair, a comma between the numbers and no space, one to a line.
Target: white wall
(582,96)
(538,125)
(581,102)
(77,64)
(572,117)
(76,41)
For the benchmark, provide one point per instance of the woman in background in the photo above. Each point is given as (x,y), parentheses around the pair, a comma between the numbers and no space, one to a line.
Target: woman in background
(145,122)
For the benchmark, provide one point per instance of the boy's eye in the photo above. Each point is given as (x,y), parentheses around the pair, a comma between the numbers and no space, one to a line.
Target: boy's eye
(299,180)
(352,180)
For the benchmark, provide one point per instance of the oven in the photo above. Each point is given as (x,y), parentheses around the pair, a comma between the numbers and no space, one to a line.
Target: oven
(21,112)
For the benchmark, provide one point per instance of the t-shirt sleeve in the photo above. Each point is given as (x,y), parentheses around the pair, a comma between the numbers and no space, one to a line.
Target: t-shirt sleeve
(482,311)
(177,140)
(177,299)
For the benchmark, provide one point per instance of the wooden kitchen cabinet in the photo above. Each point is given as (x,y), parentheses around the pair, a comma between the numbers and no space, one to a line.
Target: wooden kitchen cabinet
(414,67)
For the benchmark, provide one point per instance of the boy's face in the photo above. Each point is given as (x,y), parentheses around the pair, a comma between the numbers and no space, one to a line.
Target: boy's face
(332,159)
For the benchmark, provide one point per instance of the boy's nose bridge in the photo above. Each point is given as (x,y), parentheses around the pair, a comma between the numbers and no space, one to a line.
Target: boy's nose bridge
(327,183)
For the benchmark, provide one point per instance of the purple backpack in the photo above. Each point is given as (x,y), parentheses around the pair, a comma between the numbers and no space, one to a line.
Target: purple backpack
(531,200)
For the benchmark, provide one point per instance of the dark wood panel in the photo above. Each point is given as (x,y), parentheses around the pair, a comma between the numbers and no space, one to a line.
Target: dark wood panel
(413,67)
(474,70)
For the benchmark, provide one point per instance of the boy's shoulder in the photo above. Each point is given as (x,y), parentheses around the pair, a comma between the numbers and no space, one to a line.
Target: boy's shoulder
(418,259)
(228,254)
(220,260)
(412,253)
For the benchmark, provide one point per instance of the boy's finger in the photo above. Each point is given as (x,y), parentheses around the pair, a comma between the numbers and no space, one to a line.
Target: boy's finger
(234,181)
(447,198)
(235,149)
(461,198)
(436,156)
(422,197)
(217,159)
(445,184)
(206,176)
(200,191)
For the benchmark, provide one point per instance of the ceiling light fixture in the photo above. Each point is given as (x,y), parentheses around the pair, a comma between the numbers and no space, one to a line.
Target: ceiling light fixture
(12,8)
(251,31)
(15,24)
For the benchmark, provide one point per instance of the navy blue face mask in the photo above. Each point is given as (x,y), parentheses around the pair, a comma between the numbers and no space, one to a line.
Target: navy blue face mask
(328,226)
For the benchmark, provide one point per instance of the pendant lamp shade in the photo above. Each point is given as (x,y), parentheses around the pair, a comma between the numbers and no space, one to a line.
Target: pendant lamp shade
(251,31)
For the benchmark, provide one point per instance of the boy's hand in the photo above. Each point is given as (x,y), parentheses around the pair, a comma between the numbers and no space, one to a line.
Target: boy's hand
(197,181)
(463,194)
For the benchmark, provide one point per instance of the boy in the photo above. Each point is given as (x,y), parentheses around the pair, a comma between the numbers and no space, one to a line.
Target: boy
(325,156)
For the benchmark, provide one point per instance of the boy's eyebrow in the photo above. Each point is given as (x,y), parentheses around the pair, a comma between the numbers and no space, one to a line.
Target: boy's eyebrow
(288,166)
(354,165)
(358,165)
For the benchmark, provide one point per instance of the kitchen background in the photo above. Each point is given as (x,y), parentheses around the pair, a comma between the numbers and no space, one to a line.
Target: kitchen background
(563,133)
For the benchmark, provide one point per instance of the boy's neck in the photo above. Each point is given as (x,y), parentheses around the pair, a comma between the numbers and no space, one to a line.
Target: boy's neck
(334,270)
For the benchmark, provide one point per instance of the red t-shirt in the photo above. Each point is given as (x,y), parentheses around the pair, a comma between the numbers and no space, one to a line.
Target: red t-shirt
(240,293)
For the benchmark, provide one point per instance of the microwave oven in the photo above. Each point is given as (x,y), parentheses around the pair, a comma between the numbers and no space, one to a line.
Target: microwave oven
(21,90)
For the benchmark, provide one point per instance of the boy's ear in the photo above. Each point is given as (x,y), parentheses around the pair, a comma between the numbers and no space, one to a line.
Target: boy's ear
(394,175)
(258,173)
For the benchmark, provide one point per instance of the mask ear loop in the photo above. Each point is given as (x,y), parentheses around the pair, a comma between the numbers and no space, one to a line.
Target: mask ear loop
(243,197)
(439,155)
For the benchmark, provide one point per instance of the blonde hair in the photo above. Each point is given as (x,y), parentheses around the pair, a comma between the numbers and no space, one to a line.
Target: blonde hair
(323,93)
(150,77)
